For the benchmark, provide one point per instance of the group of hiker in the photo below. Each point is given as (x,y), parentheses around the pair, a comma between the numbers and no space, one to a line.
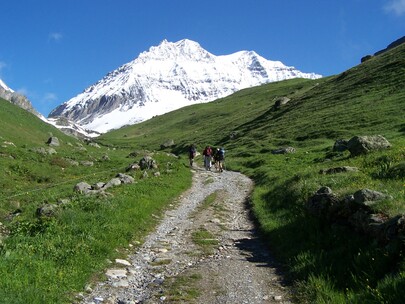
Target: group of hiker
(212,156)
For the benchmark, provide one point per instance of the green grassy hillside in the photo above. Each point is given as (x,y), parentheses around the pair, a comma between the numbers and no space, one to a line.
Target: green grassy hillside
(49,258)
(329,263)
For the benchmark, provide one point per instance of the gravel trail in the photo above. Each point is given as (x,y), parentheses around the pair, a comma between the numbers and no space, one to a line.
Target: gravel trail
(171,266)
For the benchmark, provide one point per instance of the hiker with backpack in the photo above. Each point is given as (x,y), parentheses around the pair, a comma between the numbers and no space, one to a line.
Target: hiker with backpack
(219,159)
(191,154)
(207,157)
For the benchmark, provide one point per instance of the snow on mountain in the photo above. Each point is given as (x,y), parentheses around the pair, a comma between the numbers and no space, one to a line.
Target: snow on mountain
(168,77)
(5,87)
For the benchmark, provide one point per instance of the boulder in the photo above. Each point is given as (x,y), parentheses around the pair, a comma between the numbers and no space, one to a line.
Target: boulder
(53,141)
(281,101)
(147,162)
(320,203)
(43,151)
(125,179)
(82,187)
(359,145)
(47,210)
(87,163)
(113,182)
(367,196)
(98,186)
(340,145)
(167,144)
(133,167)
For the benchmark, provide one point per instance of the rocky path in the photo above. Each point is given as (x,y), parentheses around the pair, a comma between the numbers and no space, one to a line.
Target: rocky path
(203,251)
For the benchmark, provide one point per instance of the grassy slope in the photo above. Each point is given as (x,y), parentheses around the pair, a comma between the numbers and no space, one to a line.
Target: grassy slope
(368,99)
(45,260)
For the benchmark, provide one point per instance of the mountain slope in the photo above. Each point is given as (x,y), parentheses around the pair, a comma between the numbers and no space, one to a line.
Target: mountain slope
(168,77)
(367,98)
(21,127)
(329,259)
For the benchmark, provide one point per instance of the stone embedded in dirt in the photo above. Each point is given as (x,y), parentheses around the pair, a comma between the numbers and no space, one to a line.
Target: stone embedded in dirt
(122,262)
(116,273)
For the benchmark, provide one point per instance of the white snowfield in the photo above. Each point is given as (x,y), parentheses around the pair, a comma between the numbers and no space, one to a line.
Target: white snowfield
(168,77)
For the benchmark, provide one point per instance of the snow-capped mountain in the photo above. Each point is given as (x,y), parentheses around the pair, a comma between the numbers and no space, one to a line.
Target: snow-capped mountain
(168,77)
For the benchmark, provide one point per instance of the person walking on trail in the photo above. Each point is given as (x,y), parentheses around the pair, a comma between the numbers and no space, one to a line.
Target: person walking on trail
(219,159)
(207,157)
(191,154)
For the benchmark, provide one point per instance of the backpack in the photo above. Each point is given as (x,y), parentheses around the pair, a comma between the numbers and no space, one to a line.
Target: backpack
(207,151)
(192,151)
(221,154)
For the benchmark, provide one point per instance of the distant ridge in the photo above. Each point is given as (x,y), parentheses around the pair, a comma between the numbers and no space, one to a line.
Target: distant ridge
(391,45)
(167,77)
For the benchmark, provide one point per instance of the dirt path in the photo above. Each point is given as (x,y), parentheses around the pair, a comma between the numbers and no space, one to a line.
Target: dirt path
(204,251)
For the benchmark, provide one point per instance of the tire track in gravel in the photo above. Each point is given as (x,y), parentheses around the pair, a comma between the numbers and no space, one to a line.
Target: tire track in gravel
(237,269)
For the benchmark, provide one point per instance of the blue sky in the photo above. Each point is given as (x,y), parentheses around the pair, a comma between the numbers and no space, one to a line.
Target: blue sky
(51,50)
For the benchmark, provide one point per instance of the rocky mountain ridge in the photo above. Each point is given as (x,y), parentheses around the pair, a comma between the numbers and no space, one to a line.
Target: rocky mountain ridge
(17,99)
(167,77)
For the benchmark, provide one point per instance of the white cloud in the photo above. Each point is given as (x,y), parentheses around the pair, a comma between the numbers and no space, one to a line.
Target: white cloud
(49,97)
(55,36)
(396,6)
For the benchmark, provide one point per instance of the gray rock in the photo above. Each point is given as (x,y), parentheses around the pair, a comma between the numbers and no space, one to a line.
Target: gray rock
(281,101)
(340,145)
(112,183)
(72,162)
(359,145)
(322,202)
(125,179)
(98,186)
(87,163)
(367,195)
(285,150)
(44,151)
(82,187)
(147,162)
(47,210)
(167,144)
(53,141)
(105,157)
(95,145)
(133,167)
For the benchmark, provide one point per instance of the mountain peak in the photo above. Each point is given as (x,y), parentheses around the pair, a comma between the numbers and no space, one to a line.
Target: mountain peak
(169,76)
(185,49)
